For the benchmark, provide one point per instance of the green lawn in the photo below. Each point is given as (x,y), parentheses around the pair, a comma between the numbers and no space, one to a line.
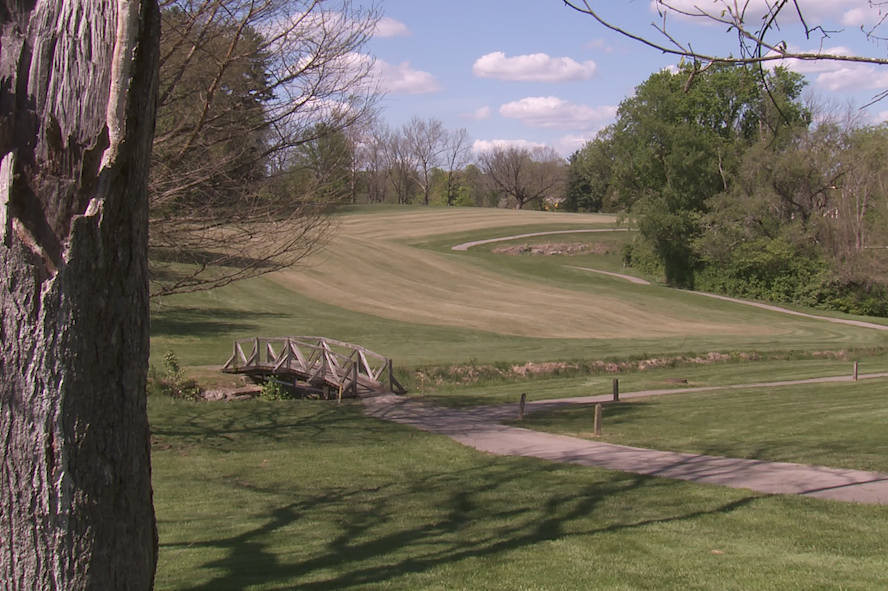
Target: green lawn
(285,495)
(310,495)
(840,425)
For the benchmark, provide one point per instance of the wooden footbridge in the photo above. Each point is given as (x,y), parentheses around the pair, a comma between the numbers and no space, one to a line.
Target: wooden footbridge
(341,368)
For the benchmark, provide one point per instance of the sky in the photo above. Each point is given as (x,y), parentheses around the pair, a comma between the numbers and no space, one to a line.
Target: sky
(536,72)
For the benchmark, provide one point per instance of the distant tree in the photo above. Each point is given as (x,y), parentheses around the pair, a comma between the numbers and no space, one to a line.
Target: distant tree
(322,166)
(424,144)
(590,174)
(78,91)
(456,156)
(374,147)
(476,186)
(522,175)
(403,167)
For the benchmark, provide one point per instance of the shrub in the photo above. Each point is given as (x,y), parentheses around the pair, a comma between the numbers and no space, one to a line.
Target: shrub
(272,390)
(174,381)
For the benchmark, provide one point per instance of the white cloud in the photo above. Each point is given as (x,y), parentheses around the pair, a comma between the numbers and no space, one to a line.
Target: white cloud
(850,77)
(537,67)
(836,76)
(553,112)
(601,44)
(571,143)
(478,114)
(389,27)
(404,79)
(479,146)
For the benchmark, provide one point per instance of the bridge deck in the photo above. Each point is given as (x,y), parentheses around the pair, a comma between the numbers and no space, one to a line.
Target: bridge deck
(350,370)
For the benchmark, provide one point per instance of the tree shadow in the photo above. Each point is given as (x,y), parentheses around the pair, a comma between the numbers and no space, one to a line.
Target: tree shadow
(182,321)
(368,549)
(231,426)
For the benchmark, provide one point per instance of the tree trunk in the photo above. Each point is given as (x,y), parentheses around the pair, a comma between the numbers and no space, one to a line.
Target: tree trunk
(78,84)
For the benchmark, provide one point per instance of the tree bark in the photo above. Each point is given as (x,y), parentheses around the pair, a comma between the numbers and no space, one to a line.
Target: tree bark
(78,85)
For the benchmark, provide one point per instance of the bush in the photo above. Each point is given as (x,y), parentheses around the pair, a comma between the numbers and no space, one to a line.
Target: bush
(174,382)
(272,390)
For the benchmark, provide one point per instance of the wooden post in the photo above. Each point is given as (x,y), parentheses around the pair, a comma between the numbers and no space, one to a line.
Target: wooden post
(355,379)
(616,390)
(391,375)
(855,371)
(597,423)
(521,406)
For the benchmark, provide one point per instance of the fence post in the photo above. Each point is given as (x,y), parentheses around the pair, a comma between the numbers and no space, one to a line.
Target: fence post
(388,365)
(616,390)
(597,424)
(521,406)
(855,371)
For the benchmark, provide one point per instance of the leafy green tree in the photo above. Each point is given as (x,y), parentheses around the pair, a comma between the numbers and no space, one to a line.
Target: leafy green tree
(675,147)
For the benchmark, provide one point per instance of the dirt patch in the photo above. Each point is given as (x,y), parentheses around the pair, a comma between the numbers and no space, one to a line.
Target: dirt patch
(555,248)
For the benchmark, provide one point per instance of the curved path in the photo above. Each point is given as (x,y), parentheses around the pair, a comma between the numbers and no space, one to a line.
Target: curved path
(630,278)
(468,245)
(639,281)
(480,428)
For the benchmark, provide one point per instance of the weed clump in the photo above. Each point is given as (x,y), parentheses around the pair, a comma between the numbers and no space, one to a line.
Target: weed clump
(173,382)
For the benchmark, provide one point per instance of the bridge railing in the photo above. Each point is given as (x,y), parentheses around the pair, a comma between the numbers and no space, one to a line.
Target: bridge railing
(317,359)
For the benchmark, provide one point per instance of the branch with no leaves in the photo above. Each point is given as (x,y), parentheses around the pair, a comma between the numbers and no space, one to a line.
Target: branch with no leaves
(755,45)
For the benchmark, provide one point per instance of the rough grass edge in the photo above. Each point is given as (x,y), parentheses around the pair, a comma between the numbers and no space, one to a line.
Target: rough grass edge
(426,378)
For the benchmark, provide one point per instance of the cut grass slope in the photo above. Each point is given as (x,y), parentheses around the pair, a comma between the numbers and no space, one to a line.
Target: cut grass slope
(389,282)
(264,496)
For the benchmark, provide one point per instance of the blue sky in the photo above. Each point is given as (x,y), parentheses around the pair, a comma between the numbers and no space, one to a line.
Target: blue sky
(537,72)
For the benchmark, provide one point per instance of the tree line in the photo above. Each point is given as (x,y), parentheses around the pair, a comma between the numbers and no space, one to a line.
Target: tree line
(738,186)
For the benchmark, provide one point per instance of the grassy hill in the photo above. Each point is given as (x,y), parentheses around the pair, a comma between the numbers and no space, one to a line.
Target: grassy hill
(390,281)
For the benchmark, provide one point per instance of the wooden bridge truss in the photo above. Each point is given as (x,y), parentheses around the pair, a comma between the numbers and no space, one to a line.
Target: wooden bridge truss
(348,369)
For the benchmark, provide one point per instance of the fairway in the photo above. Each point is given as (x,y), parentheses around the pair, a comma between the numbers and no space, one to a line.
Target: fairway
(373,266)
(389,280)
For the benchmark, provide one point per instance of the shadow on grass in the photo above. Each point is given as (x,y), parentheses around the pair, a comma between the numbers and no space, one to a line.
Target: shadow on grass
(206,322)
(369,549)
(231,426)
(390,526)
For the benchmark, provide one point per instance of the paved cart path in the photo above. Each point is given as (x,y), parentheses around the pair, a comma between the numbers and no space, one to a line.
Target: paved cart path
(481,428)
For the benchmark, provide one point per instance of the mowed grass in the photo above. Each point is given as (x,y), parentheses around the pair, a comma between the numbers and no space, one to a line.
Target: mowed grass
(307,495)
(840,425)
(388,281)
